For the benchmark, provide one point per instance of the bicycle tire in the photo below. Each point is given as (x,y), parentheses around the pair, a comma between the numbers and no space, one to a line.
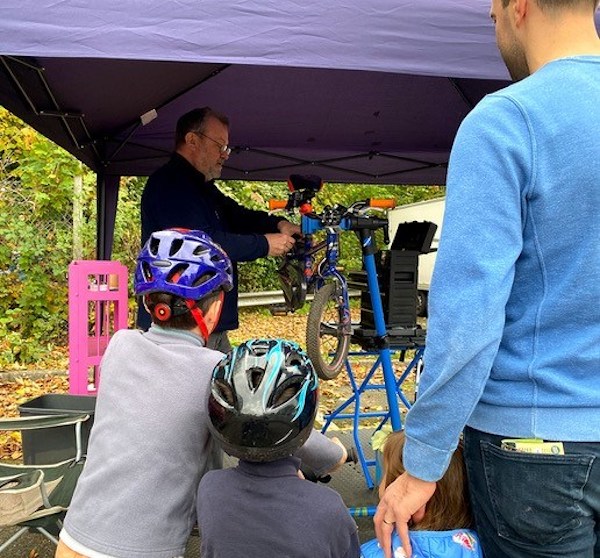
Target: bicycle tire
(327,361)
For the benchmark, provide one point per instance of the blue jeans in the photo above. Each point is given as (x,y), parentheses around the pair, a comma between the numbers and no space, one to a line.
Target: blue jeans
(531,505)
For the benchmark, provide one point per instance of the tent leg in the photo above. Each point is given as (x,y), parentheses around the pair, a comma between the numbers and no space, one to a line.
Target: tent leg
(107,195)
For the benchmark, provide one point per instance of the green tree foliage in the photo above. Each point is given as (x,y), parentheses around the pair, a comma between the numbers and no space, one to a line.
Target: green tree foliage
(36,232)
(36,190)
(36,228)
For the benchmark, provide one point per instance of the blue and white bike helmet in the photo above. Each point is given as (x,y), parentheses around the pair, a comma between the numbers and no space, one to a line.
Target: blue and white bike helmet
(184,263)
(263,400)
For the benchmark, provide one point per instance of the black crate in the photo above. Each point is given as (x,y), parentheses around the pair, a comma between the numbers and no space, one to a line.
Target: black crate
(50,445)
(397,278)
(415,236)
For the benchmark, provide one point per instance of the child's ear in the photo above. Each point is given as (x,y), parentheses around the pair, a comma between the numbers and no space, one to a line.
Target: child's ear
(213,313)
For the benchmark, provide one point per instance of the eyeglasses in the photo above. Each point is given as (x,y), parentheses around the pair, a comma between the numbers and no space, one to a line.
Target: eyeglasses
(224,148)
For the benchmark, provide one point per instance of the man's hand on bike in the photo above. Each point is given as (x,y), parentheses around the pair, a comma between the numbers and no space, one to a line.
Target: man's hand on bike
(279,243)
(288,228)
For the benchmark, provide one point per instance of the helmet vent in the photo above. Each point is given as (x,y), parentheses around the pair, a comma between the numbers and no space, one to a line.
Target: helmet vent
(199,250)
(204,278)
(260,350)
(293,360)
(176,273)
(175,246)
(285,392)
(224,391)
(153,245)
(146,271)
(255,376)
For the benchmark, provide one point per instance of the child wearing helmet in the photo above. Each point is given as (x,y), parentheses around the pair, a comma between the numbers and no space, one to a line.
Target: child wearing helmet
(445,529)
(262,404)
(150,444)
(182,277)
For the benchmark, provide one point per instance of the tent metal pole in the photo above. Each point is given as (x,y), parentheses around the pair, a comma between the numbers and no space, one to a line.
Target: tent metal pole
(58,112)
(133,126)
(461,92)
(107,195)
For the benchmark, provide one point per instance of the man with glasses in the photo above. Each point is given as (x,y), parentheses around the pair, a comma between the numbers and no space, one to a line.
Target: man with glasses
(182,194)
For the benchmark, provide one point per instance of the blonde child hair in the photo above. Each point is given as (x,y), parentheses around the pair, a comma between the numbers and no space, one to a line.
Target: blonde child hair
(449,507)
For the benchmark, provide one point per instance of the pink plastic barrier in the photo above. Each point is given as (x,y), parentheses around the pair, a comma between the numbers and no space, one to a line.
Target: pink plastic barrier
(97,308)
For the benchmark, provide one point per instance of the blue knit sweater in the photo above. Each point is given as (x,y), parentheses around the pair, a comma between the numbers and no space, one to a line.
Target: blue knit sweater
(513,341)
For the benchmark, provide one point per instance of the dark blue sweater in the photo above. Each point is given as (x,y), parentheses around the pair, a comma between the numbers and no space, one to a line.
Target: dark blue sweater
(177,195)
(261,510)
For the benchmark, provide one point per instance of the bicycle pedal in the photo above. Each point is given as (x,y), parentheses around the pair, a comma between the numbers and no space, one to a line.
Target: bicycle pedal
(280,310)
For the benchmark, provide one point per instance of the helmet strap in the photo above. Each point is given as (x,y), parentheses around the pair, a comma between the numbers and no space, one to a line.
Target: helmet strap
(198,317)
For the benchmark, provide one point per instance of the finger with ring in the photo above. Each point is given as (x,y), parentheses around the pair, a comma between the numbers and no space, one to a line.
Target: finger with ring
(388,522)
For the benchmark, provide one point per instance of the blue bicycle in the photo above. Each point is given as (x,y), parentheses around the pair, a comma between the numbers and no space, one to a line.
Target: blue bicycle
(329,325)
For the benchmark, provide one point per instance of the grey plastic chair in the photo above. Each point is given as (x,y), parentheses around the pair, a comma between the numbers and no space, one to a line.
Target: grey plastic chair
(36,497)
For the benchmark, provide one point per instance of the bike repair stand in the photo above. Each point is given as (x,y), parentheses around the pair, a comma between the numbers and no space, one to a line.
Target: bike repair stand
(369,384)
(384,359)
(415,239)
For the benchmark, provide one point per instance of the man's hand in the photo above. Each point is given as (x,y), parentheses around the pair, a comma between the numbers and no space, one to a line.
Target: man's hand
(288,228)
(404,500)
(279,243)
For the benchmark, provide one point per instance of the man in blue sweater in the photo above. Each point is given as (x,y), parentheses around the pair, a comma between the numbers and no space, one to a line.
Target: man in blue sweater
(513,342)
(182,193)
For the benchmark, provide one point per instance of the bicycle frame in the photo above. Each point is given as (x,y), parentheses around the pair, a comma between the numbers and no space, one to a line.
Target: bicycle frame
(327,268)
(298,273)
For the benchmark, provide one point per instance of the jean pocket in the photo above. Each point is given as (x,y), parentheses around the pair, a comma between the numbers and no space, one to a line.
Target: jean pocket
(535,498)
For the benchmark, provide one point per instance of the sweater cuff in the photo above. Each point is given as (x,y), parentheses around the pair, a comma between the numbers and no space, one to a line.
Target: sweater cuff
(264,245)
(424,461)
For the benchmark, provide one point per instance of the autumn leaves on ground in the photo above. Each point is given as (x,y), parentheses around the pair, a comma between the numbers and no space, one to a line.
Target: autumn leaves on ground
(50,376)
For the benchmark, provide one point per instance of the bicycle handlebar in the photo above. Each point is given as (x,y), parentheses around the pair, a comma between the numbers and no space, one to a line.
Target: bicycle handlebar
(353,217)
(277,204)
(382,203)
(367,222)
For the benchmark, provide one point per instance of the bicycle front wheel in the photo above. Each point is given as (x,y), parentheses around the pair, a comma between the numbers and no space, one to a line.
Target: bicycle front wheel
(327,339)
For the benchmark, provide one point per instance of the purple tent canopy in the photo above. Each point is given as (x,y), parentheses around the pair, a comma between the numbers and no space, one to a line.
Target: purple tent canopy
(370,91)
(356,91)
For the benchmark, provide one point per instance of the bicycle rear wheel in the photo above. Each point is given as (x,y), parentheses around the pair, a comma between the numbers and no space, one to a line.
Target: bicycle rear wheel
(327,338)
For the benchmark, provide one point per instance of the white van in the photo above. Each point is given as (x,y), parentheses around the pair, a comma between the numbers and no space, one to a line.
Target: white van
(429,210)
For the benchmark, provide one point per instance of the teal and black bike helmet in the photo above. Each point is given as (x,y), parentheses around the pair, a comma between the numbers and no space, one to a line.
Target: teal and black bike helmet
(263,400)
